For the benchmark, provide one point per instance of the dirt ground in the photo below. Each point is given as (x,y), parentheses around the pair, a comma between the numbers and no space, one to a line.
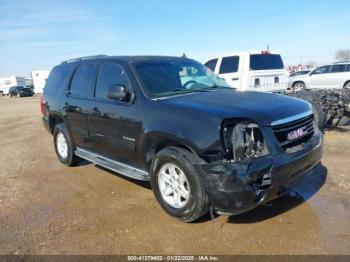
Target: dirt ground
(47,208)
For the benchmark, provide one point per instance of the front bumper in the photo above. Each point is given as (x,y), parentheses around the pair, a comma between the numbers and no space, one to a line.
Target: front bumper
(236,187)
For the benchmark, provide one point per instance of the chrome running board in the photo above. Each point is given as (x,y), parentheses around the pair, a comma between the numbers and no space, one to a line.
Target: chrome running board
(116,166)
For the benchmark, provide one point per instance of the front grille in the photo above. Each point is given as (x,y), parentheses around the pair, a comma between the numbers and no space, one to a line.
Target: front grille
(282,131)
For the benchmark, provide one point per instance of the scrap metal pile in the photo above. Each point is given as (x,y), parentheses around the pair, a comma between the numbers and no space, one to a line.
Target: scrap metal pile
(331,107)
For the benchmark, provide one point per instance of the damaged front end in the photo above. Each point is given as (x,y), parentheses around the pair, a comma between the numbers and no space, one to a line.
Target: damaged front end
(255,169)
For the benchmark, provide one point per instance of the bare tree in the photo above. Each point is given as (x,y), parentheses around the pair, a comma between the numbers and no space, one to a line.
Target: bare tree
(343,55)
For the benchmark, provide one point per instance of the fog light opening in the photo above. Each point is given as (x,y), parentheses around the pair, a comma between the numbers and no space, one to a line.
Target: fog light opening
(261,197)
(265,182)
(262,184)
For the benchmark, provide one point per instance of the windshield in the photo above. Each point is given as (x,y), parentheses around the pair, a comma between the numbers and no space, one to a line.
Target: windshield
(266,62)
(175,77)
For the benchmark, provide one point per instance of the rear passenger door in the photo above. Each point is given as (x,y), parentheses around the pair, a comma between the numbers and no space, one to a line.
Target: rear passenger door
(337,77)
(76,106)
(229,70)
(110,119)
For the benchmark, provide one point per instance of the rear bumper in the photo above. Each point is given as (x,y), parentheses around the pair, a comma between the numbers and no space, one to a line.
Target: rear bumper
(236,187)
(46,124)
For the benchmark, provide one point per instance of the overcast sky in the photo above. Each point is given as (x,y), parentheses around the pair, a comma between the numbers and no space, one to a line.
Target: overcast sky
(38,34)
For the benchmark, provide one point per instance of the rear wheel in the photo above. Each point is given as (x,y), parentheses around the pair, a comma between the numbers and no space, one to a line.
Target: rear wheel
(63,146)
(298,86)
(347,85)
(177,185)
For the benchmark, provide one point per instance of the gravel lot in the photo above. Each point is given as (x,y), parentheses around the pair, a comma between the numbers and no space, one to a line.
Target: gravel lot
(47,208)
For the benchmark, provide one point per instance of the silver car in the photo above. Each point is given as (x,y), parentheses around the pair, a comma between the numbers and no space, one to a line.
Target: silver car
(331,76)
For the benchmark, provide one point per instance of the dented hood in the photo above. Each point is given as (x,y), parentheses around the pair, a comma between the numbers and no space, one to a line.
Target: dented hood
(263,108)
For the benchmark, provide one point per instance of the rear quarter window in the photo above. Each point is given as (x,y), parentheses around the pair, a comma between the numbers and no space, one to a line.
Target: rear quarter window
(57,79)
(347,69)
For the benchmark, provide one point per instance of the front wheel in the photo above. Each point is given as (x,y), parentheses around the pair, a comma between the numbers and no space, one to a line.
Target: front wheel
(347,86)
(177,185)
(63,146)
(298,86)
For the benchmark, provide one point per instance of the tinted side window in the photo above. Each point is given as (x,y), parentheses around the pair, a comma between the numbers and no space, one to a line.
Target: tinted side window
(211,64)
(321,70)
(338,68)
(347,68)
(110,74)
(229,65)
(83,80)
(57,78)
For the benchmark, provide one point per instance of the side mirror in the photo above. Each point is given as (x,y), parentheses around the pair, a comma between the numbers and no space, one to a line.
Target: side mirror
(117,92)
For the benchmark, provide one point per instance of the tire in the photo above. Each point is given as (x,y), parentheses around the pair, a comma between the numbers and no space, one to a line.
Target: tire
(18,95)
(65,153)
(197,203)
(1,93)
(298,86)
(10,95)
(347,85)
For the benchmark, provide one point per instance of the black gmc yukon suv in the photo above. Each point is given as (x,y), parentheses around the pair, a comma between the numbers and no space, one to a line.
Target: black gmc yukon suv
(172,121)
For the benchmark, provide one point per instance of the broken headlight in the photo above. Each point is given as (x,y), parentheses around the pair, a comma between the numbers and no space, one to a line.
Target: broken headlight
(243,140)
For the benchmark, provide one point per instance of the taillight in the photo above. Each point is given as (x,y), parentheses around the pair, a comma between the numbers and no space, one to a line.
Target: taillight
(42,105)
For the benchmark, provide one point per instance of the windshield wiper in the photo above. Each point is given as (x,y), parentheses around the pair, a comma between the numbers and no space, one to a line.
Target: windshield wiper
(180,91)
(213,87)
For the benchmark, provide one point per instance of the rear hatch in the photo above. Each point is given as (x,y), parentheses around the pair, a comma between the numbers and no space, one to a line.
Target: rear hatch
(267,72)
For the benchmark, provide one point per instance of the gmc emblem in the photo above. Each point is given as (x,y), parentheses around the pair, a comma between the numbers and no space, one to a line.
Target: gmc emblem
(295,134)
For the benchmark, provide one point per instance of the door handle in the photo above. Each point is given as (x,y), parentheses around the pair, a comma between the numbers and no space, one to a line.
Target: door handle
(235,78)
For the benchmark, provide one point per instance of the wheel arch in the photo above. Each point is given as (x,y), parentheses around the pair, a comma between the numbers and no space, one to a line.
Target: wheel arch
(346,82)
(298,81)
(156,141)
(55,119)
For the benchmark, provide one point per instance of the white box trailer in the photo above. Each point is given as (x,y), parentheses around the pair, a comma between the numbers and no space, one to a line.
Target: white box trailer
(7,82)
(39,80)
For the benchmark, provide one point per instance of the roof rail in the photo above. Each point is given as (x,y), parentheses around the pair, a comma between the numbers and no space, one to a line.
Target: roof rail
(83,58)
(340,62)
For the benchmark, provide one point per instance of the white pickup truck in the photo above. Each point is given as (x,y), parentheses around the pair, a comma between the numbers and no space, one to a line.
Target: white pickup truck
(253,70)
